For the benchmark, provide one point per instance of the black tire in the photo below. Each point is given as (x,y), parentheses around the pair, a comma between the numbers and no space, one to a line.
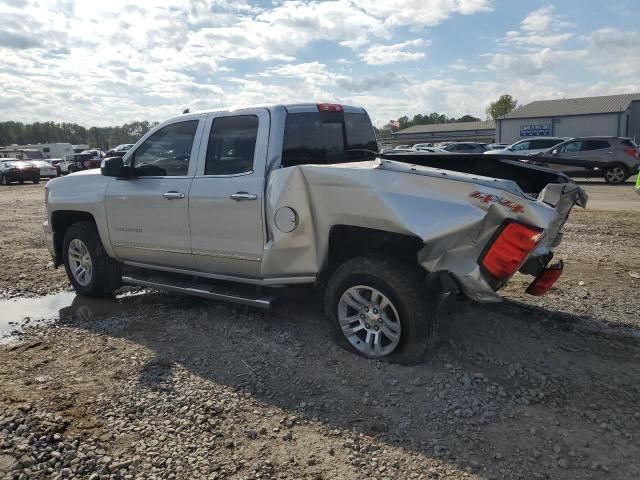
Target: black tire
(36,181)
(4,180)
(106,272)
(21,182)
(404,286)
(616,175)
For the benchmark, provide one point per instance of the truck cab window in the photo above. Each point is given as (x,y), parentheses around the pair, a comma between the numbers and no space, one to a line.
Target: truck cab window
(232,144)
(167,152)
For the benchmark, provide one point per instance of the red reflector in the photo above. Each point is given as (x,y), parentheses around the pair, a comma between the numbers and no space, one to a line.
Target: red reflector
(631,152)
(329,107)
(509,251)
(545,280)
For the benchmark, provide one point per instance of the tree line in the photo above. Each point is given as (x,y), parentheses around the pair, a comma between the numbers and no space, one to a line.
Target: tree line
(50,132)
(105,137)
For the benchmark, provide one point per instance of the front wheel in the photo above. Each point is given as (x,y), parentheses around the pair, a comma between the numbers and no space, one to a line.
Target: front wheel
(616,175)
(90,270)
(381,309)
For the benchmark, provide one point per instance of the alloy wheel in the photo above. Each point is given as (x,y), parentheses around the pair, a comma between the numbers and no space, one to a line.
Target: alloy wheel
(369,321)
(615,175)
(80,262)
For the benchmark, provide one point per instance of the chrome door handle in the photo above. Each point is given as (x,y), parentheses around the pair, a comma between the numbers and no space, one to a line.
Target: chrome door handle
(173,195)
(239,196)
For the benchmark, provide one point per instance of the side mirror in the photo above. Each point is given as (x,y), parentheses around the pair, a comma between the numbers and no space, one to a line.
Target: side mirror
(114,167)
(554,151)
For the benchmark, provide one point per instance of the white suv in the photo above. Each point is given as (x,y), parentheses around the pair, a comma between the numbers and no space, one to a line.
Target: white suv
(529,146)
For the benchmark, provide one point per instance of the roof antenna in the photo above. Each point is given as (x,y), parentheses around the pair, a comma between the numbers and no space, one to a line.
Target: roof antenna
(186,110)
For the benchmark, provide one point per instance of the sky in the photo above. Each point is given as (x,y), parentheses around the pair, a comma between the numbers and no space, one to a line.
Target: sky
(116,61)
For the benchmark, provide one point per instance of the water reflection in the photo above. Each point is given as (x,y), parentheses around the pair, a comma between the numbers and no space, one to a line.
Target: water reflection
(17,313)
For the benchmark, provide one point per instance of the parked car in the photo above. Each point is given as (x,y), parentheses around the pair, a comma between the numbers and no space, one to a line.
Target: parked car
(418,150)
(466,147)
(420,146)
(529,146)
(77,162)
(497,146)
(119,151)
(95,160)
(14,170)
(613,158)
(47,170)
(56,164)
(258,198)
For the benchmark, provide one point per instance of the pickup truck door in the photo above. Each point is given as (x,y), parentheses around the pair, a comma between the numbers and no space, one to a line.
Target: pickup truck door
(148,215)
(226,201)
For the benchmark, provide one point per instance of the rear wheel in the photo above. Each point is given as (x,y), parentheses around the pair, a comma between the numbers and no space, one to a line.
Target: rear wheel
(616,175)
(36,180)
(90,270)
(380,308)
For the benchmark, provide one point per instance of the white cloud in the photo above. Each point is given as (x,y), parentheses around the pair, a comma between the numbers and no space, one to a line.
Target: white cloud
(539,20)
(421,13)
(525,64)
(399,52)
(613,52)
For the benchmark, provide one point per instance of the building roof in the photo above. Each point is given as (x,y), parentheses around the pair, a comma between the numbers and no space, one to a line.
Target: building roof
(575,106)
(448,127)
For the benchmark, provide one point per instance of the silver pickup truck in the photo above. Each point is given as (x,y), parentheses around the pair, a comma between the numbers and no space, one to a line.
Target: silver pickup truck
(236,204)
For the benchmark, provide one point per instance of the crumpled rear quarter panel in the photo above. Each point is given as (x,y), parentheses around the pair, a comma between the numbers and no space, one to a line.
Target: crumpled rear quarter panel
(437,206)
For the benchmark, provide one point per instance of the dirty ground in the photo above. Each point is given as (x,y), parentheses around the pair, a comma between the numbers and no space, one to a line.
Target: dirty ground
(151,385)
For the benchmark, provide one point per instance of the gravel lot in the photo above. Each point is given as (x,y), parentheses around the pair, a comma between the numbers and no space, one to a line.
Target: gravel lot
(151,385)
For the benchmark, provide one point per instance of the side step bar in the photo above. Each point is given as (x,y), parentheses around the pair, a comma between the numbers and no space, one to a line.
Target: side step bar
(210,291)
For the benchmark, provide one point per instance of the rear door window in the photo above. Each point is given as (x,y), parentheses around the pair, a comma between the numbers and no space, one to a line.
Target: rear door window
(588,145)
(327,138)
(232,145)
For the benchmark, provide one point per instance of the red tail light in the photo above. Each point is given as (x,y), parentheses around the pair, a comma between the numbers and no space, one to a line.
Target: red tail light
(510,249)
(545,280)
(330,107)
(632,152)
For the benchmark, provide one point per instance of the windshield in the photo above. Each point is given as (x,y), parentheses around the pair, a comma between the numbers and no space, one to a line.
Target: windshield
(327,138)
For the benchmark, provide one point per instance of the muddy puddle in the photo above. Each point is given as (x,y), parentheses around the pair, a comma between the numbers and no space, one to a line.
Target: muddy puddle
(18,313)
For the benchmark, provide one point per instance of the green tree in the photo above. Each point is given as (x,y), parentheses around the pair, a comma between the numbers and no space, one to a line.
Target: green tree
(502,106)
(50,132)
(467,118)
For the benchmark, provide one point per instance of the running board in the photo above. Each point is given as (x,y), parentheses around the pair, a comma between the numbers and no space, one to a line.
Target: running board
(240,295)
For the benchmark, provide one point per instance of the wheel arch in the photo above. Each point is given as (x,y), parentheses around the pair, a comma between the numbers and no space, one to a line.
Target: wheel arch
(348,241)
(61,220)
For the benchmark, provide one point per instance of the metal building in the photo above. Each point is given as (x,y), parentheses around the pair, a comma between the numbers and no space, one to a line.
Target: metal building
(611,115)
(484,131)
